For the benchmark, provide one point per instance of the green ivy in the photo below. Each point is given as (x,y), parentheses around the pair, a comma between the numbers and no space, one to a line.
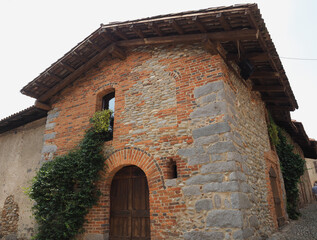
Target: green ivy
(64,189)
(273,131)
(292,167)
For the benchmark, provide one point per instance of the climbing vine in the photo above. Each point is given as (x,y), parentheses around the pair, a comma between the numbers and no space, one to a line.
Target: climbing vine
(292,166)
(64,189)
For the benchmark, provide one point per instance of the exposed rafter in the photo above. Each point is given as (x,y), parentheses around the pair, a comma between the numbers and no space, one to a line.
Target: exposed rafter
(247,34)
(67,67)
(156,29)
(268,88)
(199,24)
(108,50)
(119,33)
(176,26)
(137,31)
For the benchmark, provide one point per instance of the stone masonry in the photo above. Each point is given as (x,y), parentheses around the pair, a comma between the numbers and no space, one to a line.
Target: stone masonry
(175,103)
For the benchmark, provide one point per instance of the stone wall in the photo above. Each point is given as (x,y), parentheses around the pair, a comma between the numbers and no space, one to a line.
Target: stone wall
(175,103)
(305,191)
(249,132)
(312,171)
(20,154)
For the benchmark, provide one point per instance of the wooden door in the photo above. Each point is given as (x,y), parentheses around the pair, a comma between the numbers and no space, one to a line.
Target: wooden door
(276,197)
(129,205)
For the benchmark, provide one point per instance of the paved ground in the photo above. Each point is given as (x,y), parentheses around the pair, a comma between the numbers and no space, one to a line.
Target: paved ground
(303,229)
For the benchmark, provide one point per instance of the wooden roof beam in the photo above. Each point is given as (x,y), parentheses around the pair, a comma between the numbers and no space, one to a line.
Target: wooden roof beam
(82,58)
(275,99)
(199,24)
(69,79)
(95,46)
(176,26)
(119,33)
(106,35)
(156,29)
(41,105)
(67,67)
(265,88)
(55,77)
(271,60)
(117,52)
(226,26)
(265,75)
(257,57)
(279,107)
(247,34)
(137,31)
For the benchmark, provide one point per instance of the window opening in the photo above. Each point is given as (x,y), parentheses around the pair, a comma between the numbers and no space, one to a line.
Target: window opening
(108,102)
(172,169)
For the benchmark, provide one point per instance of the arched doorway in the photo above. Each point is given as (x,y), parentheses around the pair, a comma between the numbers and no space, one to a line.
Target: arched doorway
(276,197)
(129,205)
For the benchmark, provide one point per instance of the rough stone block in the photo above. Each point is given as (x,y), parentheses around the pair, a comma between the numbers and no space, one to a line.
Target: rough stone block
(221,147)
(195,235)
(209,98)
(213,129)
(221,187)
(217,201)
(49,136)
(170,182)
(210,110)
(253,221)
(203,204)
(49,126)
(246,188)
(224,218)
(191,151)
(198,159)
(95,236)
(208,88)
(235,176)
(219,167)
(240,201)
(234,156)
(202,179)
(191,191)
(52,115)
(243,234)
(202,140)
(49,149)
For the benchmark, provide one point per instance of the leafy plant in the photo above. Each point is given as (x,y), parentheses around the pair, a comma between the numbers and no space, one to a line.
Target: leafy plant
(273,131)
(292,166)
(64,189)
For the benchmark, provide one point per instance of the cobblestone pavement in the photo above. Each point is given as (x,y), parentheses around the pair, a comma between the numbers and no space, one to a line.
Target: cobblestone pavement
(303,229)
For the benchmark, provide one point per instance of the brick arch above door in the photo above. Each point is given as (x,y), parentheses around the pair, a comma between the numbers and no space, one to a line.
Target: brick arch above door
(134,156)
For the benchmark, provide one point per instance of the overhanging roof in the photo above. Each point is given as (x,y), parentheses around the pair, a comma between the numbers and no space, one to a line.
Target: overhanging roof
(236,32)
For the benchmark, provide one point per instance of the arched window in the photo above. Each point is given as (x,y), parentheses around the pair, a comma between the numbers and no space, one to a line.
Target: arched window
(108,102)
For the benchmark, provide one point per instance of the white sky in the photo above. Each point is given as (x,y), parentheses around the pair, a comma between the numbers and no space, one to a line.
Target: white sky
(35,33)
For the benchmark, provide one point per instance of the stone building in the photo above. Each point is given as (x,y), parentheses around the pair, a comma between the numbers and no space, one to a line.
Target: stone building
(312,170)
(192,92)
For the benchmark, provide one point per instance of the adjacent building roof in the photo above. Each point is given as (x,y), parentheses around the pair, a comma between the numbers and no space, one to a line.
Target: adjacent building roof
(21,118)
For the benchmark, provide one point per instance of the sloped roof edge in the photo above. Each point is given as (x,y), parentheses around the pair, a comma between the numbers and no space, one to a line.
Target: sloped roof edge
(217,24)
(21,118)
